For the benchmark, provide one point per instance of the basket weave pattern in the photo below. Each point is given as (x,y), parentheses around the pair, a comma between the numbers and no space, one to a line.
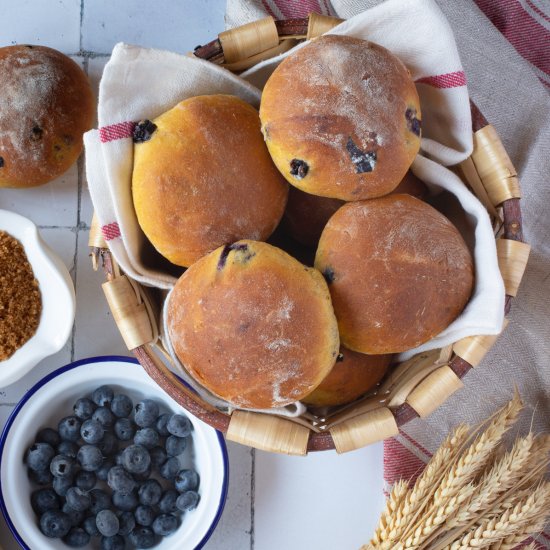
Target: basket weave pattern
(414,388)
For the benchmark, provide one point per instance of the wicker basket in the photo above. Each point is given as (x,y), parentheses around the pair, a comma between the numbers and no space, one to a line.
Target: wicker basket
(414,388)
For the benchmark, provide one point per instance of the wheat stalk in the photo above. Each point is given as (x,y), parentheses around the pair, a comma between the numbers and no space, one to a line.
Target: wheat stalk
(391,529)
(473,460)
(394,500)
(518,518)
(497,480)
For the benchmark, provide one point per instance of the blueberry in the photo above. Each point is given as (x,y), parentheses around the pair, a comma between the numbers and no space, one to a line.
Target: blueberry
(165,524)
(85,480)
(143,476)
(136,459)
(186,480)
(118,458)
(107,523)
(145,515)
(104,416)
(103,471)
(175,445)
(62,484)
(158,457)
(122,405)
(170,468)
(124,429)
(100,500)
(108,445)
(90,527)
(55,524)
(39,456)
(49,436)
(103,396)
(43,500)
(78,499)
(179,425)
(120,480)
(113,543)
(147,412)
(76,538)
(168,500)
(75,516)
(147,437)
(161,422)
(69,428)
(150,492)
(127,523)
(142,537)
(67,448)
(41,477)
(62,466)
(84,408)
(90,458)
(91,431)
(187,501)
(125,502)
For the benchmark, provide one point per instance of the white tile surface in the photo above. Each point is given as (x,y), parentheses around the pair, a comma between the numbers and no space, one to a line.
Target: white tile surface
(322,501)
(53,23)
(177,26)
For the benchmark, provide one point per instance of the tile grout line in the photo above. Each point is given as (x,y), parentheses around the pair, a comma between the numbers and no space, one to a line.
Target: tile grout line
(252,495)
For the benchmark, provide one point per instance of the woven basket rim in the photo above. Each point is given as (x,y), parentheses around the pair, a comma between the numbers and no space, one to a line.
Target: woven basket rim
(295,29)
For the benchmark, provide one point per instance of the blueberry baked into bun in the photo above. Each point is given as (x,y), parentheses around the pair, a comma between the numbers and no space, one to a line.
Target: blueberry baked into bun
(46,105)
(253,325)
(341,118)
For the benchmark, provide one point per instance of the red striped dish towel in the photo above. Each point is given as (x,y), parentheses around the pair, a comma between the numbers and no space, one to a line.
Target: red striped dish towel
(505,49)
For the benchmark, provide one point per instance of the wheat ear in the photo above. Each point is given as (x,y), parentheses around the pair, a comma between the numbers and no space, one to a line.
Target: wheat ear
(394,500)
(473,460)
(415,499)
(503,475)
(530,510)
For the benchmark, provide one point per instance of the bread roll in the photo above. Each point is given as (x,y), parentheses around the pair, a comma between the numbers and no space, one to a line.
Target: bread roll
(306,215)
(399,272)
(353,375)
(46,105)
(253,325)
(341,118)
(205,178)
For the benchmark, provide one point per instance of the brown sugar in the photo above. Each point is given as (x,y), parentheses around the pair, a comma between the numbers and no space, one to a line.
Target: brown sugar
(20,300)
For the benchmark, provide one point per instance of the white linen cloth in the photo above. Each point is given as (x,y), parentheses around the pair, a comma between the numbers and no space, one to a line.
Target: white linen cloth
(141,83)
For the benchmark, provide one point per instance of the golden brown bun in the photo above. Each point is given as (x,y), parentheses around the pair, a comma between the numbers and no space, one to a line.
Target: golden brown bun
(341,118)
(46,105)
(205,178)
(353,375)
(306,215)
(399,272)
(253,325)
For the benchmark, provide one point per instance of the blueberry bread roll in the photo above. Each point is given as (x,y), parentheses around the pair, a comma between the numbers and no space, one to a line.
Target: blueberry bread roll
(399,272)
(46,105)
(203,177)
(341,118)
(253,325)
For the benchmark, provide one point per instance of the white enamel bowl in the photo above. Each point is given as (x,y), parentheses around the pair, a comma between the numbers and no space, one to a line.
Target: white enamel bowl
(52,398)
(58,300)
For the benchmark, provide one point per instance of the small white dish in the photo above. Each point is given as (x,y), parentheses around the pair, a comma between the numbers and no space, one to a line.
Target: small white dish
(52,398)
(58,299)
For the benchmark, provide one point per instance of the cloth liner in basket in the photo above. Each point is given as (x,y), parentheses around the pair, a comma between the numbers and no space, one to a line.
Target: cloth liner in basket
(142,83)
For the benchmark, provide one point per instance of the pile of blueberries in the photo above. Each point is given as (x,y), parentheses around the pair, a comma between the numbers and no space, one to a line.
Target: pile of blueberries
(101,447)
